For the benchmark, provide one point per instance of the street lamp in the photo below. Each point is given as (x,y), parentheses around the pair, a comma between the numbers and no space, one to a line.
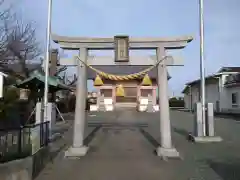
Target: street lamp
(47,59)
(202,70)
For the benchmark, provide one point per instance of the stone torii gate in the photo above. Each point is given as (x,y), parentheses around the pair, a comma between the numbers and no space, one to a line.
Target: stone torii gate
(83,44)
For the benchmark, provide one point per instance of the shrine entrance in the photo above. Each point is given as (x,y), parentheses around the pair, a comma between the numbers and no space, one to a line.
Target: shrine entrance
(119,69)
(124,91)
(130,95)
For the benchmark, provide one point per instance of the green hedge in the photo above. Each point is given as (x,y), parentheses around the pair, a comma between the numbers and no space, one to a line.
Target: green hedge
(174,102)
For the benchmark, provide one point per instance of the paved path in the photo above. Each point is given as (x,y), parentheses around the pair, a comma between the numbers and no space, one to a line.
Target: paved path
(123,148)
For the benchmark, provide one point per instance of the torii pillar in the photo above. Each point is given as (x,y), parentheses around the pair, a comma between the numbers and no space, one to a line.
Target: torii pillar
(166,148)
(78,149)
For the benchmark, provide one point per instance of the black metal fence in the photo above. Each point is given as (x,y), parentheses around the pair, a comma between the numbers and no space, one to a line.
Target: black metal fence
(17,143)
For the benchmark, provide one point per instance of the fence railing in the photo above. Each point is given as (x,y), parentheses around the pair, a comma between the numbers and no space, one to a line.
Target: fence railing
(16,143)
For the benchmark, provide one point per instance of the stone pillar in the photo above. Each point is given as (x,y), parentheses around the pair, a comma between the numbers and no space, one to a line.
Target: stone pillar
(198,125)
(198,132)
(138,93)
(166,149)
(114,95)
(98,96)
(78,149)
(210,120)
(150,105)
(101,103)
(154,95)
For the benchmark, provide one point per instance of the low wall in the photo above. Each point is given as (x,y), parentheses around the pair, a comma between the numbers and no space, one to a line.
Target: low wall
(25,169)
(233,111)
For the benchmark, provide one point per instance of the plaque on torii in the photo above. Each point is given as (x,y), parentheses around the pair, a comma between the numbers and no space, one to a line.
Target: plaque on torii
(121,45)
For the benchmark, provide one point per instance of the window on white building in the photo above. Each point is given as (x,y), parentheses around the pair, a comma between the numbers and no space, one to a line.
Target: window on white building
(235,99)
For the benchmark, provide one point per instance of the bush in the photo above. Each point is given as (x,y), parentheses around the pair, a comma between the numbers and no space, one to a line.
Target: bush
(174,102)
(10,96)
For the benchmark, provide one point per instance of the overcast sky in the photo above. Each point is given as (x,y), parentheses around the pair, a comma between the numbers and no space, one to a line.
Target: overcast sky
(163,18)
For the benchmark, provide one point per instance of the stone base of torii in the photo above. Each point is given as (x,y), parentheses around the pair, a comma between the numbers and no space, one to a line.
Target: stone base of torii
(84,44)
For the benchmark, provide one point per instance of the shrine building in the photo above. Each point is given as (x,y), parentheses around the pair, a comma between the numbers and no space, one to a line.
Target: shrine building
(125,93)
(123,81)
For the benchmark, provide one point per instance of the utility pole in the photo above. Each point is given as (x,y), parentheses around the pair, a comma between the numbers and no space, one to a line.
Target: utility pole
(47,59)
(202,67)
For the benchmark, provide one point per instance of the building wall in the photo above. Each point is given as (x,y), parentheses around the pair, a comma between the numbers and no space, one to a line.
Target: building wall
(195,95)
(215,92)
(187,101)
(224,94)
(191,97)
(227,105)
(212,95)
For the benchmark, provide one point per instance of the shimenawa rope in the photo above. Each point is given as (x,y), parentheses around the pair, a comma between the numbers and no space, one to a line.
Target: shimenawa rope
(122,77)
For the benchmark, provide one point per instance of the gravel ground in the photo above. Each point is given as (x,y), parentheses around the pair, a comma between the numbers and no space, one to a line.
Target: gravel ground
(122,146)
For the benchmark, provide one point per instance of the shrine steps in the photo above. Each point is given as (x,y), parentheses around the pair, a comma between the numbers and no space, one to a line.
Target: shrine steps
(125,106)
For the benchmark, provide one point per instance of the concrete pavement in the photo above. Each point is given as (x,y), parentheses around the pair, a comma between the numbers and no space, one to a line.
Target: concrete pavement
(122,146)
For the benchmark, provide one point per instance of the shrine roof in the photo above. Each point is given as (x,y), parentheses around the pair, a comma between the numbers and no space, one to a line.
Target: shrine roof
(37,79)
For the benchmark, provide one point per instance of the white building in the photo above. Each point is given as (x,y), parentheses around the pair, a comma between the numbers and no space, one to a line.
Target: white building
(222,89)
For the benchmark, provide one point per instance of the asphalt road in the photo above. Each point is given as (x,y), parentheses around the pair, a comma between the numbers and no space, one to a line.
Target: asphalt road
(122,146)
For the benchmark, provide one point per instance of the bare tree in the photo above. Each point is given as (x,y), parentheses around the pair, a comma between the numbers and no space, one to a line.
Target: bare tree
(73,81)
(66,80)
(60,71)
(18,45)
